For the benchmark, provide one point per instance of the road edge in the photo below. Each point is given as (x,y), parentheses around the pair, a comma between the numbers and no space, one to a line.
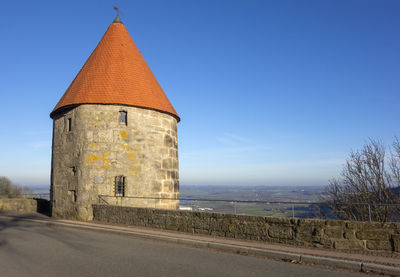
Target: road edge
(225,247)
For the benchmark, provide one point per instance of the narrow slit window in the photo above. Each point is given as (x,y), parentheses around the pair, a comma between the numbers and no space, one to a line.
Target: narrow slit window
(69,124)
(73,169)
(72,193)
(120,186)
(123,117)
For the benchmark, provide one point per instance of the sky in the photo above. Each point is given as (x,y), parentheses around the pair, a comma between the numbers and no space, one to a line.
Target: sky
(269,92)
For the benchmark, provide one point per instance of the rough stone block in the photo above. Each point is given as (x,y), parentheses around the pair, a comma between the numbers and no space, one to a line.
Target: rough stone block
(373,234)
(396,242)
(168,141)
(349,234)
(304,232)
(321,242)
(385,245)
(344,244)
(276,231)
(335,223)
(334,232)
(167,164)
(156,187)
(168,185)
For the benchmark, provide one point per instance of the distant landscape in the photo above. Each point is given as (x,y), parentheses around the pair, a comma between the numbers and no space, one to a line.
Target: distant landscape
(254,193)
(266,194)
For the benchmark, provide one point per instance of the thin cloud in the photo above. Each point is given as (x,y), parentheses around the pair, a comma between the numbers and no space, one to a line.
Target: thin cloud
(232,139)
(40,144)
(37,132)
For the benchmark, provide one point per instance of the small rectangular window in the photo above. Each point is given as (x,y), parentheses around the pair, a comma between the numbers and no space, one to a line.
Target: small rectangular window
(120,186)
(72,193)
(123,117)
(73,169)
(69,124)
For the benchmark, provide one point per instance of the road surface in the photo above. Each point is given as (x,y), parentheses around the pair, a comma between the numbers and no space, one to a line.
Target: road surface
(31,249)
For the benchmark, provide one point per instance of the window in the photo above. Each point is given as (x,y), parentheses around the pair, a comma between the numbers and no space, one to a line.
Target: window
(72,194)
(69,124)
(120,186)
(73,169)
(123,117)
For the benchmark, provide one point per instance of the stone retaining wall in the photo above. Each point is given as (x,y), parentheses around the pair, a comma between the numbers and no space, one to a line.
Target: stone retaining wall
(304,232)
(27,205)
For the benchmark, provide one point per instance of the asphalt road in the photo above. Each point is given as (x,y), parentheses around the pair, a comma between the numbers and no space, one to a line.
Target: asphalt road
(30,249)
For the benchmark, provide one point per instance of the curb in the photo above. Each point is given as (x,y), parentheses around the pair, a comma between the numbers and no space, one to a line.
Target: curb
(266,253)
(383,269)
(346,264)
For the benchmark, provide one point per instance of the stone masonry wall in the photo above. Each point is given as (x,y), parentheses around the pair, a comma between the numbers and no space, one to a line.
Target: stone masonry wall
(98,148)
(304,232)
(27,205)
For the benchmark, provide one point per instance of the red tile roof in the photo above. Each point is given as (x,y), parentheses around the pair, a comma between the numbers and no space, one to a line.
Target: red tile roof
(116,73)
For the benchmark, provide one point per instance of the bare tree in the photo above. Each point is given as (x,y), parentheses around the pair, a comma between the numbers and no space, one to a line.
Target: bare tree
(5,186)
(368,188)
(7,189)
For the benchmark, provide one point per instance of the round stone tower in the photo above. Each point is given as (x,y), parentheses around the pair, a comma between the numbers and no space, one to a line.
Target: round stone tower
(114,134)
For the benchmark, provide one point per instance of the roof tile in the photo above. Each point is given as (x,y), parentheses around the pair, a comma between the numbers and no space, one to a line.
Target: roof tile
(116,73)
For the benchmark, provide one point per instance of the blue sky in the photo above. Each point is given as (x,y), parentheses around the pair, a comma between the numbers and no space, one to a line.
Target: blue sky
(269,92)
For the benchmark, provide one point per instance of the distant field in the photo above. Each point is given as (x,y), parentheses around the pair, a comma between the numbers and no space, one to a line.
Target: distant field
(255,193)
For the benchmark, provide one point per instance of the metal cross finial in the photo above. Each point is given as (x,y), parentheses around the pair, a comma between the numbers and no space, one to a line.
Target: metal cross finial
(117,19)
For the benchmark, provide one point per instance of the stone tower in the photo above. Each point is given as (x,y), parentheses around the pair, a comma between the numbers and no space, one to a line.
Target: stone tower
(114,134)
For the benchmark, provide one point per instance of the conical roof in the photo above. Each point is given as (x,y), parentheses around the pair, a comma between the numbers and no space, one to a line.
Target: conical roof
(116,73)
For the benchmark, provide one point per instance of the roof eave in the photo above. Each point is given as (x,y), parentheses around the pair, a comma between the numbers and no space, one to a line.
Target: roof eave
(63,108)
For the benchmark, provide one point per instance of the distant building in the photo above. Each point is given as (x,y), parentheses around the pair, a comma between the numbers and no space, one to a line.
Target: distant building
(185,208)
(114,134)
